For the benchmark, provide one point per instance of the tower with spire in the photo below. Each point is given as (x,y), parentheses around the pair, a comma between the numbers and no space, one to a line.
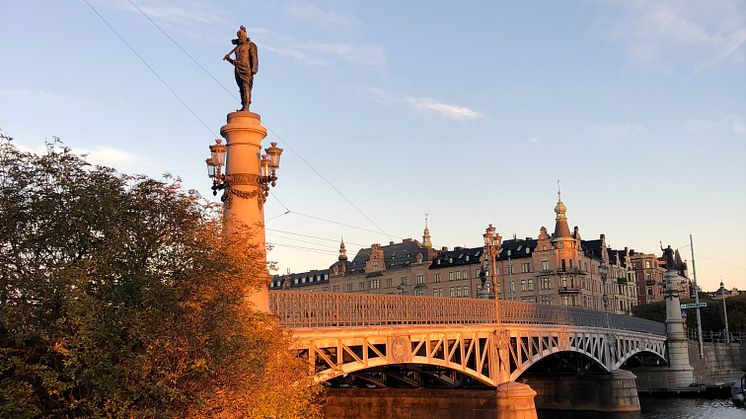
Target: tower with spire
(426,243)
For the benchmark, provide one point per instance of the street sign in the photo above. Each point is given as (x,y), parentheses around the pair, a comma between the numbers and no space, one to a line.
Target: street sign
(694,305)
(683,314)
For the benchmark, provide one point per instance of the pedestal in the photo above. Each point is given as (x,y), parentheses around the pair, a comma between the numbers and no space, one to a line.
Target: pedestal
(515,401)
(244,203)
(681,373)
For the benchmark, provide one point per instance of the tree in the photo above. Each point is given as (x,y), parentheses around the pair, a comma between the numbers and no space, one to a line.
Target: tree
(120,297)
(713,318)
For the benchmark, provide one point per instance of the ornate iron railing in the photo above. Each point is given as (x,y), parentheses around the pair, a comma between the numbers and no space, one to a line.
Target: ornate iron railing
(304,309)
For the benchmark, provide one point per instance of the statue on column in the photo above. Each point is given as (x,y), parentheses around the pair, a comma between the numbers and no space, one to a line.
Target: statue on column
(668,256)
(246,65)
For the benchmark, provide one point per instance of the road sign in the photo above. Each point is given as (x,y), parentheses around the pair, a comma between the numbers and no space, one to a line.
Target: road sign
(694,305)
(683,314)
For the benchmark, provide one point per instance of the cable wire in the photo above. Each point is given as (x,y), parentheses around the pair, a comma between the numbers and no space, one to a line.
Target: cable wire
(194,60)
(152,70)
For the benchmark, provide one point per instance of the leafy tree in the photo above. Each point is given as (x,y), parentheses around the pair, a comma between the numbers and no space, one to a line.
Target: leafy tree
(120,297)
(712,316)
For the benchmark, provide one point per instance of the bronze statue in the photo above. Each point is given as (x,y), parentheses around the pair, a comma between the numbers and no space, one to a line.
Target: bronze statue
(246,65)
(668,255)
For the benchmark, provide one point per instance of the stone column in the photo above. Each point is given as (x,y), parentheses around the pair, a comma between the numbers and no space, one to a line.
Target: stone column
(681,373)
(515,401)
(244,204)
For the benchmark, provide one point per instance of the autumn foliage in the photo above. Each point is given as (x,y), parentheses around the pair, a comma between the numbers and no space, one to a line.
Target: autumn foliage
(120,297)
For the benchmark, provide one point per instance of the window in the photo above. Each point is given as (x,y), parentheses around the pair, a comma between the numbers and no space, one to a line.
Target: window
(510,269)
(647,264)
(458,291)
(466,291)
(546,299)
(570,263)
(404,280)
(546,283)
(565,300)
(452,292)
(525,267)
(375,266)
(530,284)
(560,245)
(523,285)
(465,275)
(450,276)
(435,292)
(375,284)
(335,288)
(349,287)
(419,292)
(544,265)
(650,291)
(361,286)
(420,279)
(528,250)
(458,275)
(564,281)
(389,282)
(436,278)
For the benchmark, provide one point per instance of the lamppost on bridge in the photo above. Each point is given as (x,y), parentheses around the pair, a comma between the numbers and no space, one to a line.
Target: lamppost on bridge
(492,242)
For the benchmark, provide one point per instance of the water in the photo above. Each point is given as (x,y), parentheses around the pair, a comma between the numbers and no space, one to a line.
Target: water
(663,408)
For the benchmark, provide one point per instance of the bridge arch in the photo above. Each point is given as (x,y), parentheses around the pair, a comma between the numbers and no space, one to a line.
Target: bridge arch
(350,368)
(469,351)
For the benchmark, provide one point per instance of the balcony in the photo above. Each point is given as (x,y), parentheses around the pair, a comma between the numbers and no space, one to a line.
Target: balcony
(569,290)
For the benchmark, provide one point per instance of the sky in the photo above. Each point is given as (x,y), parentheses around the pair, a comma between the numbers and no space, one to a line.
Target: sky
(466,111)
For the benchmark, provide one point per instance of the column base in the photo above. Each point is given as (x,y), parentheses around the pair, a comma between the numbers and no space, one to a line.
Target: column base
(515,401)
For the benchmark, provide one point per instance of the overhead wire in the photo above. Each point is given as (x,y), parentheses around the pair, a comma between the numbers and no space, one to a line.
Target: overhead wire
(314,237)
(152,70)
(285,142)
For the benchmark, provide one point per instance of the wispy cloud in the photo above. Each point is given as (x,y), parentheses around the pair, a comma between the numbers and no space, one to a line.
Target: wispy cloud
(320,53)
(175,12)
(693,33)
(444,109)
(729,123)
(315,13)
(425,104)
(614,132)
(99,155)
(33,94)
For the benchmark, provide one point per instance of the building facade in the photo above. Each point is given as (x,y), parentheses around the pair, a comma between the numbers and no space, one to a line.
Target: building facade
(556,269)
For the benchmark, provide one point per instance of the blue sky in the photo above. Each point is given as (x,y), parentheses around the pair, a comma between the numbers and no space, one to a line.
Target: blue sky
(468,111)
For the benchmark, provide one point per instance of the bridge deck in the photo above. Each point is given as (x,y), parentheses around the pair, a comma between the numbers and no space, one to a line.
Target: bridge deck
(298,310)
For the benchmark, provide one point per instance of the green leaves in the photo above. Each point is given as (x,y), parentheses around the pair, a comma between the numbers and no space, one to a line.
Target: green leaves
(120,297)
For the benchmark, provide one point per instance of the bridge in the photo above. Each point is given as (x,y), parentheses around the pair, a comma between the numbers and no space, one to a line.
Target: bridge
(344,334)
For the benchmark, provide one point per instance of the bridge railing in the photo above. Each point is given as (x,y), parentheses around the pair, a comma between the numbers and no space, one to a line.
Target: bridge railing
(304,309)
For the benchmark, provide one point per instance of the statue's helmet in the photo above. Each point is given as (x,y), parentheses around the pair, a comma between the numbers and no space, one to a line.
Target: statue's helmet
(241,34)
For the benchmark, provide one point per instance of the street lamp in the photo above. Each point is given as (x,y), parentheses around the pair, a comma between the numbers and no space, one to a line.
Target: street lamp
(603,272)
(215,165)
(268,165)
(492,242)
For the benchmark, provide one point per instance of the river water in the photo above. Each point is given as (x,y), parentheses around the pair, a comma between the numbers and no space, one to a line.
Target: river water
(663,408)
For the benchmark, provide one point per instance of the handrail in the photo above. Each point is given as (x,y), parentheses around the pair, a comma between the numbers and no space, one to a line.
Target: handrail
(297,309)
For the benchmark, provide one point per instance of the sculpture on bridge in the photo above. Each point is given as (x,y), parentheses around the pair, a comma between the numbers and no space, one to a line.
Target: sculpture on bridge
(246,65)
(668,256)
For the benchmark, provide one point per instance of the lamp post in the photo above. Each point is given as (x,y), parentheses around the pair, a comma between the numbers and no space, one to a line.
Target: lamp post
(725,313)
(492,242)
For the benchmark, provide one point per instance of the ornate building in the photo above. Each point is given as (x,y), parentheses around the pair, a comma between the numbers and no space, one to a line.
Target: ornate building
(560,269)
